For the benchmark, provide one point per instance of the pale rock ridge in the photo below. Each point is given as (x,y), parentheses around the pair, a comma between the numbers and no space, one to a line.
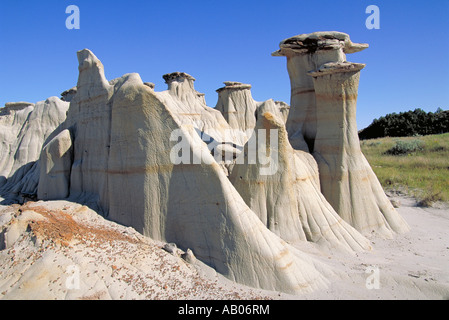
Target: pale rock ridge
(24,130)
(121,137)
(89,122)
(322,120)
(289,202)
(55,167)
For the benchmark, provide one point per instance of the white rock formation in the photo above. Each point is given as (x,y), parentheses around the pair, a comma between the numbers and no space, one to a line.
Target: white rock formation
(178,171)
(238,107)
(348,181)
(24,130)
(189,107)
(289,202)
(236,104)
(304,53)
(55,165)
(322,120)
(122,137)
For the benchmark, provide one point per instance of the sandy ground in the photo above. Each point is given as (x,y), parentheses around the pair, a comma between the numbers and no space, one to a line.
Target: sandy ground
(411,266)
(69,252)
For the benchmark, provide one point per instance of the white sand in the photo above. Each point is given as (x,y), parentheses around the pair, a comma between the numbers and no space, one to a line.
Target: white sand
(411,266)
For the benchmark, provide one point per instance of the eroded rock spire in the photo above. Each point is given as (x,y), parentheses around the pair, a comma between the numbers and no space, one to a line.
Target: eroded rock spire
(237,105)
(322,120)
(304,53)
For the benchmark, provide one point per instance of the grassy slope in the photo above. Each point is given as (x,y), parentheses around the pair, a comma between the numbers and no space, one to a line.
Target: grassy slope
(424,173)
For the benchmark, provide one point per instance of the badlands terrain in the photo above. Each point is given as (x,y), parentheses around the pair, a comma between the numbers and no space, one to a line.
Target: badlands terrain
(118,191)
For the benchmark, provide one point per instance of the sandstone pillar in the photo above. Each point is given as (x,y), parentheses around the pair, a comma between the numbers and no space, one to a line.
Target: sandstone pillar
(326,117)
(288,201)
(347,180)
(237,105)
(305,53)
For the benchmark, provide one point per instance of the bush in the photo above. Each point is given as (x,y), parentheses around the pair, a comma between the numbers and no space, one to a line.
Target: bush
(429,199)
(405,147)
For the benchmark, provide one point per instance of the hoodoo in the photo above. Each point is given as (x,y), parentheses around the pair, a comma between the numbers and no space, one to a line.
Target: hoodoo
(237,105)
(288,199)
(189,107)
(306,52)
(322,120)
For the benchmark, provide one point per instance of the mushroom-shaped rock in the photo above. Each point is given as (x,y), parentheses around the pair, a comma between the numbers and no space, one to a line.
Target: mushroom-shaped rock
(322,120)
(181,85)
(151,85)
(68,94)
(15,106)
(312,42)
(306,52)
(347,180)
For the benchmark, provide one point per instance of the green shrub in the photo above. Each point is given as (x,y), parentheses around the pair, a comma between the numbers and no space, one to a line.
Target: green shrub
(405,147)
(429,199)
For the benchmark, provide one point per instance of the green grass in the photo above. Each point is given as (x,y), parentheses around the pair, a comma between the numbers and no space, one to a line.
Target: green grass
(420,165)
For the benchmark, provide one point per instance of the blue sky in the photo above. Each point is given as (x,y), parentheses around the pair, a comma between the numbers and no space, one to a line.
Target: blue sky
(216,41)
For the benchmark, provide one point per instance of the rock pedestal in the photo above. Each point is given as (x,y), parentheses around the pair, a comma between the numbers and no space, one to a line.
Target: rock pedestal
(304,53)
(347,180)
(323,116)
(237,105)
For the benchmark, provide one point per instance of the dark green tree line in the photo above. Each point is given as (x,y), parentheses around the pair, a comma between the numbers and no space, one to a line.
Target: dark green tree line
(406,124)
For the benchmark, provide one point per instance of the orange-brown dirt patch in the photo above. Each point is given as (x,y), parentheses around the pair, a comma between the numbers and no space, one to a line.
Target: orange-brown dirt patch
(60,227)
